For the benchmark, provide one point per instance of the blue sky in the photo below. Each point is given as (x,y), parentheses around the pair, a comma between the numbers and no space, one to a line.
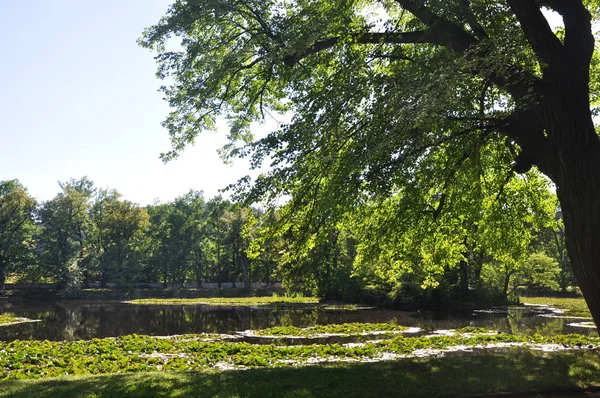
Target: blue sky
(79,97)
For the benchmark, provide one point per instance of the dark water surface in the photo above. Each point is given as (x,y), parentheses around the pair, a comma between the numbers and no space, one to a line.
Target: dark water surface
(86,320)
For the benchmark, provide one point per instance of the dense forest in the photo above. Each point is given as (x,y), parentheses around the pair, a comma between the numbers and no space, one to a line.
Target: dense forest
(485,250)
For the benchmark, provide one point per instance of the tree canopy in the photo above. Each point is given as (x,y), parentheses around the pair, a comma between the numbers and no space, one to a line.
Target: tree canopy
(424,101)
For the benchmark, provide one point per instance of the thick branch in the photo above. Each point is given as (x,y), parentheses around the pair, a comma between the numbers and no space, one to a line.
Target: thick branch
(579,40)
(516,81)
(451,34)
(364,38)
(525,128)
(465,7)
(537,30)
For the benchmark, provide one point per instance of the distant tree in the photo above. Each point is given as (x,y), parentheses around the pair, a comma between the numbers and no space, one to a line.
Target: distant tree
(16,227)
(179,247)
(66,226)
(123,227)
(538,270)
(217,231)
(100,240)
(159,250)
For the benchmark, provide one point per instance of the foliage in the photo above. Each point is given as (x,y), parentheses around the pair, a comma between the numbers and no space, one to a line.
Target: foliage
(65,219)
(16,227)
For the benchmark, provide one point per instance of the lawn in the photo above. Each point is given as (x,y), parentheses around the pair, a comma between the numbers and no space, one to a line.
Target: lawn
(520,370)
(572,306)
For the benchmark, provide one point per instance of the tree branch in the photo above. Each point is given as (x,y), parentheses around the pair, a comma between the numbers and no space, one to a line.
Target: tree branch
(450,34)
(525,128)
(465,7)
(537,30)
(364,38)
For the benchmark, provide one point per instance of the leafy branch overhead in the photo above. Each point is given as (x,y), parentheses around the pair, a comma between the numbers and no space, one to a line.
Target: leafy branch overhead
(354,72)
(422,101)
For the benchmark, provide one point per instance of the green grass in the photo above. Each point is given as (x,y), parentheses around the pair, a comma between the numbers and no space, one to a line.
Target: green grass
(228,301)
(6,319)
(572,306)
(521,370)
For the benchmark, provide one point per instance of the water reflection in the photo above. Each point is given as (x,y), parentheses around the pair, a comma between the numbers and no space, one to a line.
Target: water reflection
(85,320)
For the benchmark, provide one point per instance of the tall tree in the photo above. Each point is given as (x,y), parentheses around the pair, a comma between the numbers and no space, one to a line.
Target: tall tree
(381,90)
(217,230)
(66,229)
(123,228)
(16,225)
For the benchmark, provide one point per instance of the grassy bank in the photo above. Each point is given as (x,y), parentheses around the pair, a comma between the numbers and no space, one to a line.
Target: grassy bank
(449,376)
(572,306)
(227,301)
(130,294)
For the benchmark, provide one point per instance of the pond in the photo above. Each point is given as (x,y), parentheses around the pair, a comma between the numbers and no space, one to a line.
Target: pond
(87,320)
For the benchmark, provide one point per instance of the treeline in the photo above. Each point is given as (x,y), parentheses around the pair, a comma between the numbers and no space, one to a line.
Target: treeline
(401,249)
(87,234)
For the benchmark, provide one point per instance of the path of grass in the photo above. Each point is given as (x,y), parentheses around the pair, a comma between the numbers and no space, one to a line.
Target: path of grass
(450,376)
(572,306)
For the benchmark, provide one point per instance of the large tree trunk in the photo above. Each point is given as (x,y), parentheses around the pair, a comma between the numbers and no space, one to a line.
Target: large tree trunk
(578,188)
(559,134)
(576,146)
(581,211)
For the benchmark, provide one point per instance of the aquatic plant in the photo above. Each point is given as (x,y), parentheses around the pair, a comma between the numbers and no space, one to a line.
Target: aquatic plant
(331,329)
(138,353)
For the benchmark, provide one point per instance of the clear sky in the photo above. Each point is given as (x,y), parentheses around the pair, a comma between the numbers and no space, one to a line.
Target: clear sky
(79,97)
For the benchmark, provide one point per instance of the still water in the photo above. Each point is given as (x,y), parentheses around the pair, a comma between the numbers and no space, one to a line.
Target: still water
(86,320)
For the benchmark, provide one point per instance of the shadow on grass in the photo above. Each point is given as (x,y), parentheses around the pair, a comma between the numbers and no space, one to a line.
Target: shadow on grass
(519,370)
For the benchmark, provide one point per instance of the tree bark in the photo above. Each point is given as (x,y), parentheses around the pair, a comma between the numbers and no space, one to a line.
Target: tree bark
(578,189)
(579,196)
